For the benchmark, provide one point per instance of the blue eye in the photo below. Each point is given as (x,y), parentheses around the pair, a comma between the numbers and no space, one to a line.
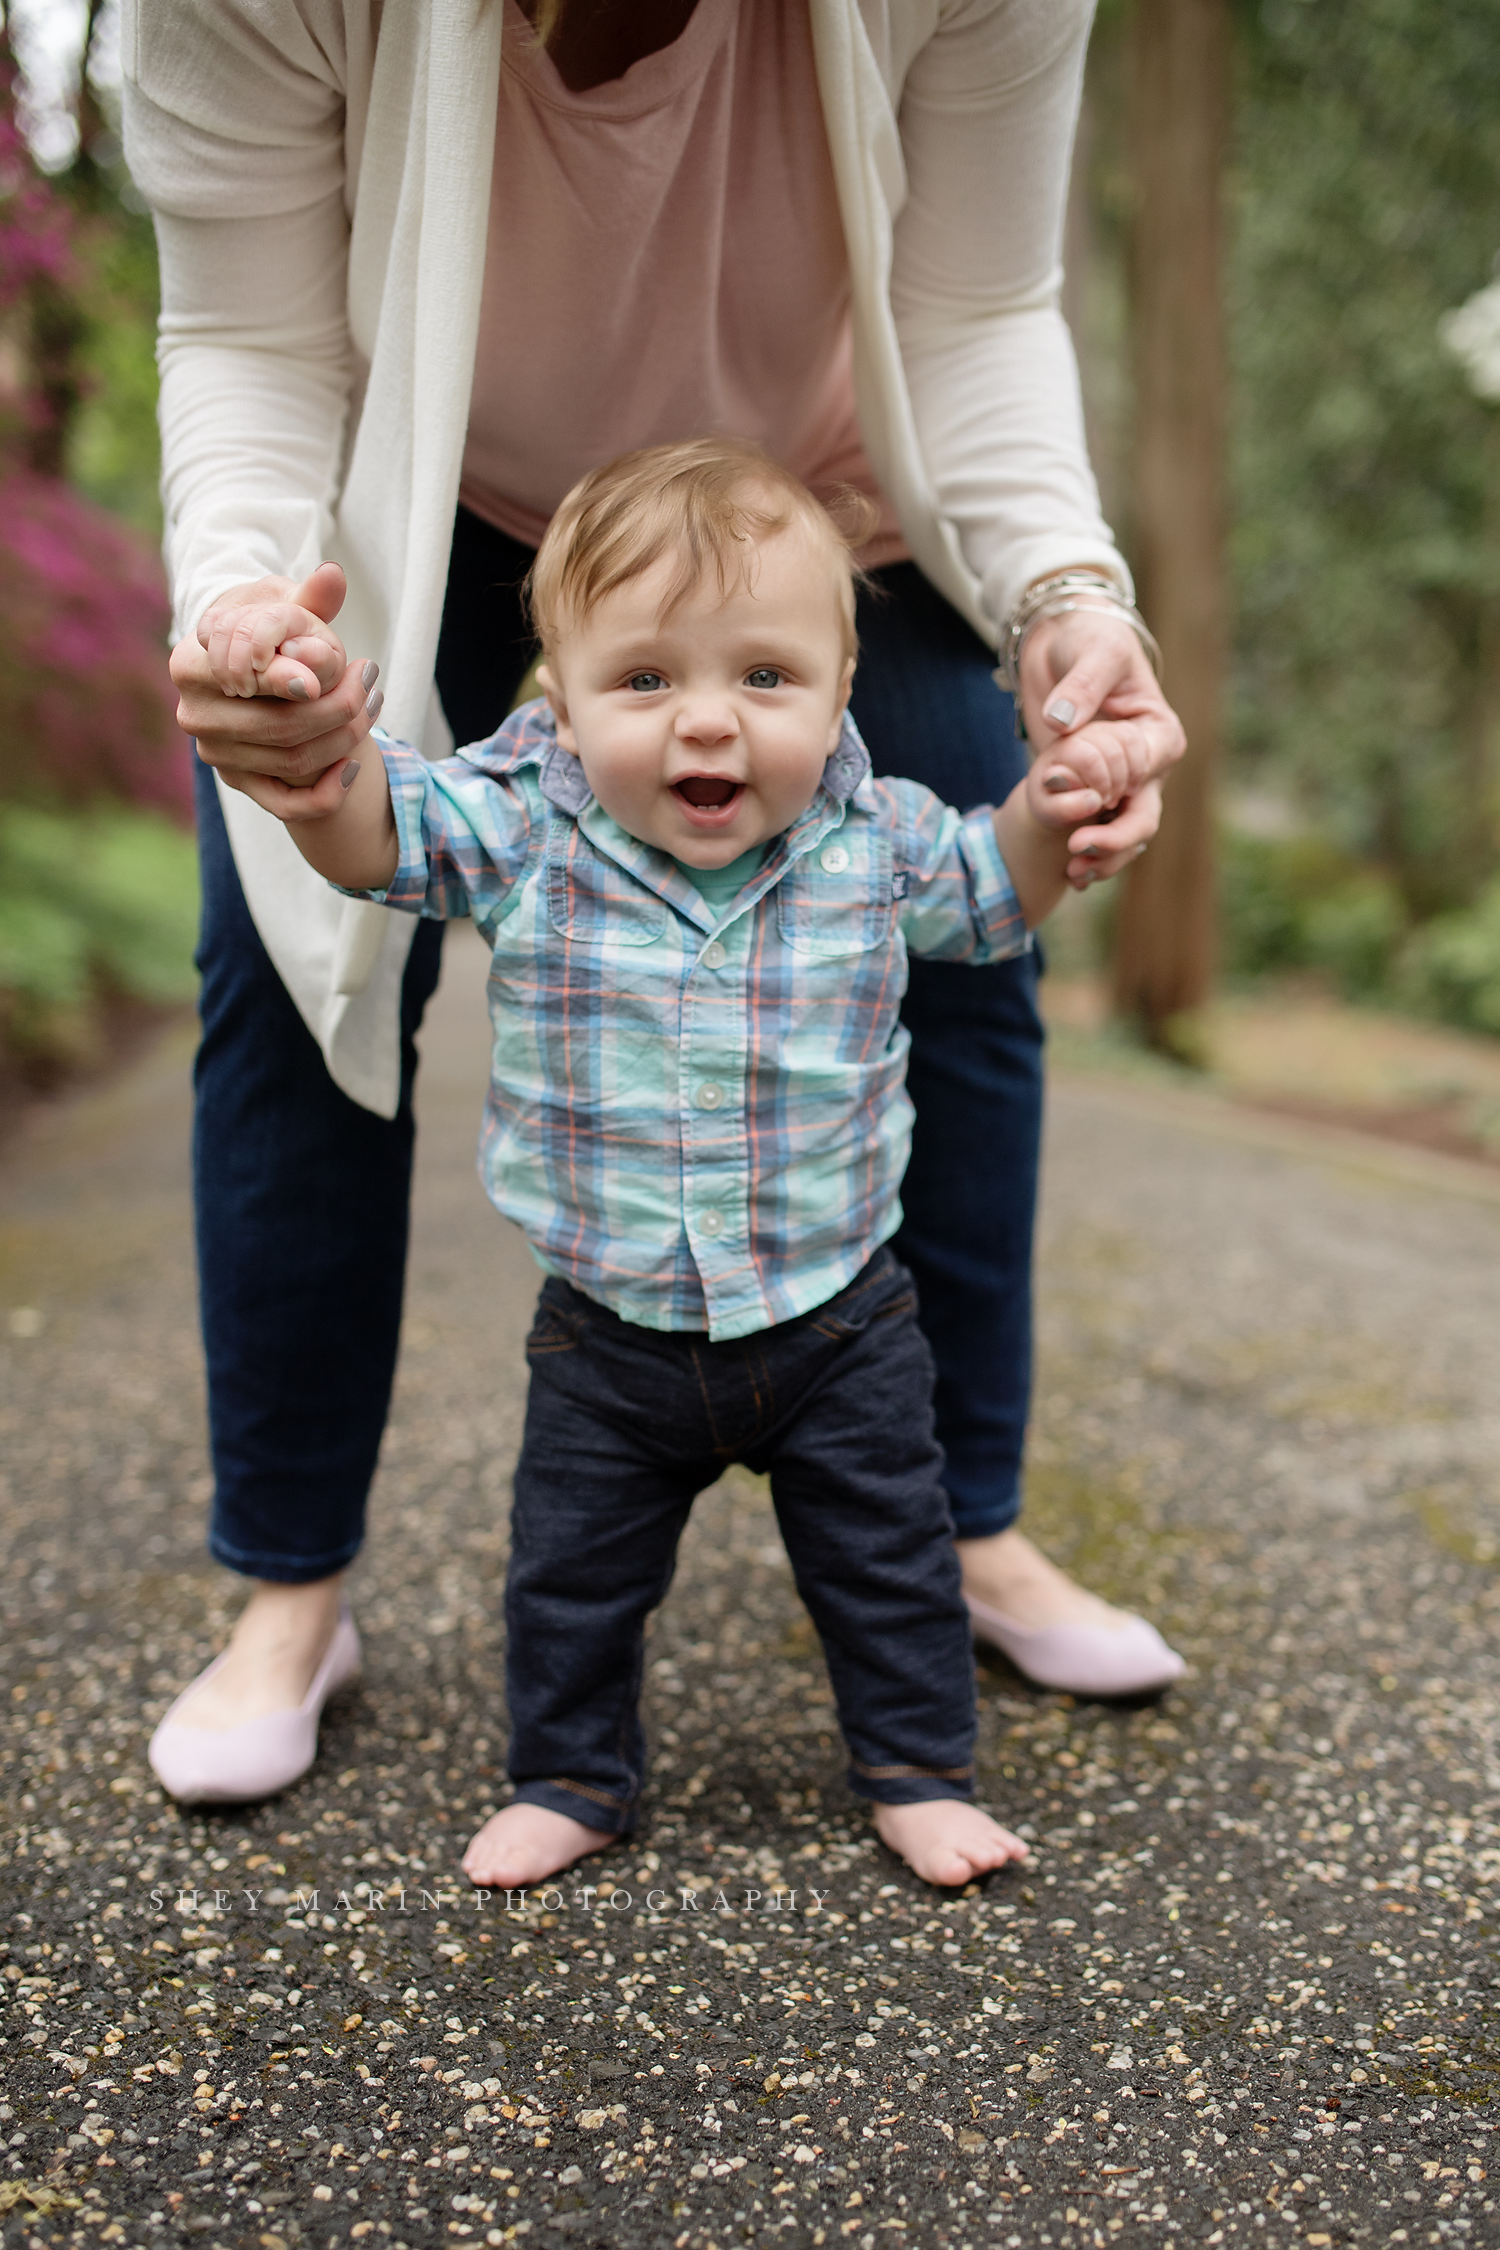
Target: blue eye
(647,683)
(764,676)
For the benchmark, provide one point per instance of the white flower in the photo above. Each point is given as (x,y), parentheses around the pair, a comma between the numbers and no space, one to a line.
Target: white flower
(1472,335)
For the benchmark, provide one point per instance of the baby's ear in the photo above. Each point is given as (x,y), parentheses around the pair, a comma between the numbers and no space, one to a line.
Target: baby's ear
(552,690)
(846,682)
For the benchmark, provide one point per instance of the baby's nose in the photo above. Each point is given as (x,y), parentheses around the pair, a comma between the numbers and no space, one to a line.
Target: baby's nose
(707,719)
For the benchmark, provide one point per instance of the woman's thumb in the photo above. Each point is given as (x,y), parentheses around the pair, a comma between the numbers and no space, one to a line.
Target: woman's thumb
(322,591)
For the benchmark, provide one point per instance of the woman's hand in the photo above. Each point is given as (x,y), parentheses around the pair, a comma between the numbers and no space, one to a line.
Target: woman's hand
(264,686)
(1087,681)
(1111,842)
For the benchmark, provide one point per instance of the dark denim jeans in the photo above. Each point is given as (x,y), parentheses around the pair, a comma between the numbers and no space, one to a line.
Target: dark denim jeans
(625,1424)
(302,1195)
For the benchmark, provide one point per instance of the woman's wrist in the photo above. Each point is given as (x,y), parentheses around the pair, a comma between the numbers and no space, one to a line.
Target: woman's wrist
(1065,593)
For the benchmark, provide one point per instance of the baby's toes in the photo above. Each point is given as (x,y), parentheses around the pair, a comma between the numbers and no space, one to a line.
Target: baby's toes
(951,1867)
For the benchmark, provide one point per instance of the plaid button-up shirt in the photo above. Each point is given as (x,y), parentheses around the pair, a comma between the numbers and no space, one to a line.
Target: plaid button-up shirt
(697,1114)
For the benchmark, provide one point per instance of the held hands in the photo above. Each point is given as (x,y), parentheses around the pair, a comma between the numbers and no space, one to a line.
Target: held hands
(1104,736)
(267,692)
(1062,823)
(265,687)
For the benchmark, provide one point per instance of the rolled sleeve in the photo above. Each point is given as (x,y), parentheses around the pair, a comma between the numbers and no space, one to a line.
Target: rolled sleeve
(957,901)
(463,838)
(999,925)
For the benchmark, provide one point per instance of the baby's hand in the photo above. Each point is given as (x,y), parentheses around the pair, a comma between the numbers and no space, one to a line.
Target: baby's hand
(1062,795)
(273,642)
(1081,799)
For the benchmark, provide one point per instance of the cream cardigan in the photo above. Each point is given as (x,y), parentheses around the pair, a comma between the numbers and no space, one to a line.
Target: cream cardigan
(320,174)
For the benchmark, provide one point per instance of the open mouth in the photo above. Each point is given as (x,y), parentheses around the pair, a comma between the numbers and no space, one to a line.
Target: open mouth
(708,793)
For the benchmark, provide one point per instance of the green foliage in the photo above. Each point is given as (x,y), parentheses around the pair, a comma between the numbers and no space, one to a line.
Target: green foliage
(1300,903)
(1366,202)
(1451,969)
(92,904)
(1354,932)
(113,452)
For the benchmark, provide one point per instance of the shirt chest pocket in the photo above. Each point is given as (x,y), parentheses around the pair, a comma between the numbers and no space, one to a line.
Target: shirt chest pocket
(592,901)
(837,899)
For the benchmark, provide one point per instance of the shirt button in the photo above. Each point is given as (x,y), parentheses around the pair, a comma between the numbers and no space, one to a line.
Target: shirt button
(714,955)
(710,1096)
(833,859)
(711,1223)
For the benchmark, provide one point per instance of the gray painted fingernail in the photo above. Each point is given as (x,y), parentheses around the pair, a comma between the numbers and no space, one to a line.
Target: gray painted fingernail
(370,674)
(297,690)
(374,703)
(1058,782)
(1062,713)
(346,778)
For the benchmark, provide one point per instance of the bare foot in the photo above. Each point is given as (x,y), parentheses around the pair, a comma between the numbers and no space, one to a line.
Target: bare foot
(945,1840)
(1007,1573)
(280,1639)
(527,1843)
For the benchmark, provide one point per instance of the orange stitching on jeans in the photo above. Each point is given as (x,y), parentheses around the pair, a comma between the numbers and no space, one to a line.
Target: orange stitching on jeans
(582,1789)
(725,1452)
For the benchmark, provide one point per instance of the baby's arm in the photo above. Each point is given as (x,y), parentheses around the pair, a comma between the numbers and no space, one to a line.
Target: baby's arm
(1034,829)
(342,824)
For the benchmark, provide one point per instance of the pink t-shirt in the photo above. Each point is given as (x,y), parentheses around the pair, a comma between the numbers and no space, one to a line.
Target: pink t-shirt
(665,260)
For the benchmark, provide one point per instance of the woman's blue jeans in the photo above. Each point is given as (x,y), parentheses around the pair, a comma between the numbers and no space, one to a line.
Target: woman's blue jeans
(302,1196)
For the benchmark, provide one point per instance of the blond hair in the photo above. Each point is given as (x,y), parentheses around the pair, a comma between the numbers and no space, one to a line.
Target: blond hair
(709,501)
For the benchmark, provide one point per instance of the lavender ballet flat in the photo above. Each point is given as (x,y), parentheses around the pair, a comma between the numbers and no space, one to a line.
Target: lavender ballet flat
(1131,1659)
(241,1764)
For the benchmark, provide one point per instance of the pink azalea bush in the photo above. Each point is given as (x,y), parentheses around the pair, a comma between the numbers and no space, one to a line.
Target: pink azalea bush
(86,706)
(85,702)
(97,874)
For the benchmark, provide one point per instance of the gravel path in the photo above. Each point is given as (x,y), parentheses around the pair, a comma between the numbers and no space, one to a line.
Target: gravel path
(1243,1993)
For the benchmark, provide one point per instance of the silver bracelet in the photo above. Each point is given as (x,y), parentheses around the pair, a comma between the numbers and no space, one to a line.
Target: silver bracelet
(1059,596)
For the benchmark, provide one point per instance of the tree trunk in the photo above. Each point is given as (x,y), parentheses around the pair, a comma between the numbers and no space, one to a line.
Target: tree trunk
(1165,950)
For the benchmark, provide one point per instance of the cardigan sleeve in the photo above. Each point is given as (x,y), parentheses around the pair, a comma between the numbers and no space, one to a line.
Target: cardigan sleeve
(234,134)
(987,118)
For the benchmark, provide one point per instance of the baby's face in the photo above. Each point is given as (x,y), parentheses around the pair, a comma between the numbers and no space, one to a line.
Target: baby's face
(707,734)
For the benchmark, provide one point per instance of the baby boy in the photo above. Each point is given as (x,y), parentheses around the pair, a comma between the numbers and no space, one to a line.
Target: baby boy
(700,905)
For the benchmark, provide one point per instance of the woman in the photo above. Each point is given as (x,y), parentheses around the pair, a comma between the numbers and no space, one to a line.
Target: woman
(419,270)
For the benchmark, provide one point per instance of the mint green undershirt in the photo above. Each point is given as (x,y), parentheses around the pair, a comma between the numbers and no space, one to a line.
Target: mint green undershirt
(720,884)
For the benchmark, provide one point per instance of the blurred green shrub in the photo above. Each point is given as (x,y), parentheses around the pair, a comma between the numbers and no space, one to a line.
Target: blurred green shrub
(1451,968)
(93,905)
(1365,187)
(1354,933)
(1299,903)
(112,447)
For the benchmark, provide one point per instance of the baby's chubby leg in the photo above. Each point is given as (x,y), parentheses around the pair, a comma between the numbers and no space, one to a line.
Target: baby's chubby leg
(946,1840)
